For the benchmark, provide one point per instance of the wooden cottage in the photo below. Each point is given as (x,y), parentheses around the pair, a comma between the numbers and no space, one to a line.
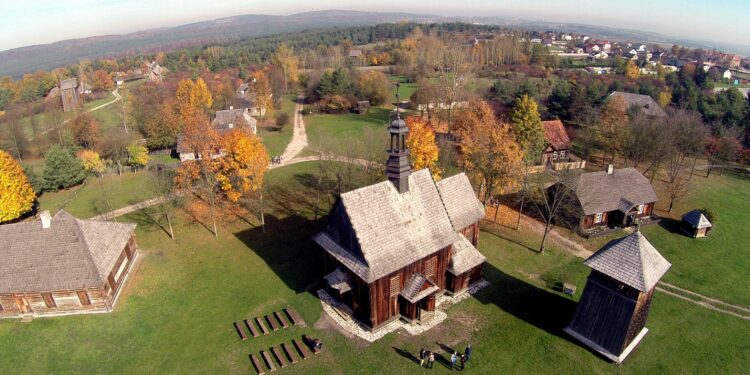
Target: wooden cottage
(611,315)
(62,265)
(646,103)
(612,198)
(558,143)
(695,224)
(395,246)
(225,121)
(69,94)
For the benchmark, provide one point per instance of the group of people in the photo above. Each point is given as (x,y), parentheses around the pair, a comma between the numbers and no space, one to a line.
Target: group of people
(276,160)
(428,357)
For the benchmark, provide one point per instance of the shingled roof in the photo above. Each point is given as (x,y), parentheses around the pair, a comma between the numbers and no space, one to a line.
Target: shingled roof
(464,256)
(69,83)
(392,229)
(70,254)
(459,200)
(555,135)
(601,192)
(413,291)
(648,104)
(697,219)
(631,260)
(227,119)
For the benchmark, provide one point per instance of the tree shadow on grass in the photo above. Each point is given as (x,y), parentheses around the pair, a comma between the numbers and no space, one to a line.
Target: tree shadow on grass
(543,309)
(499,235)
(671,225)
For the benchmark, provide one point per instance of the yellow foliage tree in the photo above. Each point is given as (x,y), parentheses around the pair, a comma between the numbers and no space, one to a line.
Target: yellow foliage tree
(16,195)
(91,161)
(665,97)
(260,86)
(631,70)
(285,59)
(244,164)
(423,150)
(138,155)
(613,127)
(192,97)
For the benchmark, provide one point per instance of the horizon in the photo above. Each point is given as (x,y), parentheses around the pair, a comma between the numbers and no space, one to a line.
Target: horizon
(45,22)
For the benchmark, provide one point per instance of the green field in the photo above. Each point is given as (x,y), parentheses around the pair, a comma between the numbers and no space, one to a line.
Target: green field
(276,140)
(100,195)
(340,133)
(176,313)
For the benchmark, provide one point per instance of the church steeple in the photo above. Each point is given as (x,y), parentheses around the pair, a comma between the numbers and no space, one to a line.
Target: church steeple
(397,168)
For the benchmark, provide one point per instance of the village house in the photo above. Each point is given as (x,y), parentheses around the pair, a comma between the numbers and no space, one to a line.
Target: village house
(154,72)
(248,99)
(69,94)
(62,265)
(224,121)
(611,315)
(393,247)
(558,142)
(613,198)
(649,106)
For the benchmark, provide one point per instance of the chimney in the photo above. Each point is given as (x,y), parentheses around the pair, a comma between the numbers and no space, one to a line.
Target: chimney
(46,219)
(610,168)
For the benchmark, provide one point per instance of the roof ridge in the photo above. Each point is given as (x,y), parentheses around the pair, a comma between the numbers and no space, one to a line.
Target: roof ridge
(442,200)
(87,246)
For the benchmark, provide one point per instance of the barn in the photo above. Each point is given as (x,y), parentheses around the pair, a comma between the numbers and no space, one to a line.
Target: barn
(393,247)
(62,265)
(611,315)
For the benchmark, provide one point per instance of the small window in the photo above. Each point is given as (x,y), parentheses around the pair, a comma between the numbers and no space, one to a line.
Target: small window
(83,297)
(598,218)
(430,265)
(640,209)
(395,286)
(554,155)
(562,154)
(48,300)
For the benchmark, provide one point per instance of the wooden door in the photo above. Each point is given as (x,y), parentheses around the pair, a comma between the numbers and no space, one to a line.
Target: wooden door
(23,305)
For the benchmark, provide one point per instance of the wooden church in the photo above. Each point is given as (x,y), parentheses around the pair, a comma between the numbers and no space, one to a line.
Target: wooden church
(393,247)
(611,315)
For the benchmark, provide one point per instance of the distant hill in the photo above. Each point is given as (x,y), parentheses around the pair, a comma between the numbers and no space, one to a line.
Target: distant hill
(16,62)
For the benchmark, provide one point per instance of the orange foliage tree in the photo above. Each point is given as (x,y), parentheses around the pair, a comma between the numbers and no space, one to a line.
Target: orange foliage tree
(16,195)
(85,130)
(260,87)
(423,150)
(612,129)
(192,97)
(243,164)
(101,81)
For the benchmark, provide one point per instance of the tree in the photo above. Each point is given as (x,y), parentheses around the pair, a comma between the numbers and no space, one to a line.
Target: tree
(335,82)
(613,127)
(85,130)
(192,97)
(455,74)
(13,136)
(528,127)
(260,87)
(423,150)
(549,202)
(243,165)
(16,194)
(137,155)
(488,151)
(62,169)
(91,162)
(162,179)
(374,87)
(101,81)
(631,70)
(285,59)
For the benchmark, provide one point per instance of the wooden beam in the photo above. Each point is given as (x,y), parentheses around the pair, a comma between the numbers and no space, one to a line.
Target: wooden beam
(262,326)
(242,334)
(289,353)
(301,348)
(269,361)
(296,318)
(281,319)
(279,357)
(251,327)
(271,321)
(258,366)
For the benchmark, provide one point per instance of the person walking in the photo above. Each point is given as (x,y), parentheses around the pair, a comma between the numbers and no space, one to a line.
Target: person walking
(463,361)
(422,356)
(453,360)
(467,352)
(431,359)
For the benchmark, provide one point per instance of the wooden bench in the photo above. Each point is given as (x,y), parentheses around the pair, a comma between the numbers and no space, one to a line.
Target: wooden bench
(258,366)
(301,349)
(289,353)
(242,334)
(296,318)
(272,322)
(251,327)
(281,319)
(279,357)
(268,360)
(262,326)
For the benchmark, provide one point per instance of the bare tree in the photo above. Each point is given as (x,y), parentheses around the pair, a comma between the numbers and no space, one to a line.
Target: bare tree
(455,73)
(548,200)
(678,187)
(162,180)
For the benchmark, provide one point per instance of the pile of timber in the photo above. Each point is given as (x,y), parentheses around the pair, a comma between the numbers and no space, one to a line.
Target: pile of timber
(282,356)
(269,323)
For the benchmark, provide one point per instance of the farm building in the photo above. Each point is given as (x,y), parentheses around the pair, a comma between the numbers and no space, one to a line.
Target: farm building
(611,315)
(393,247)
(558,142)
(695,224)
(612,198)
(224,121)
(649,106)
(62,265)
(69,94)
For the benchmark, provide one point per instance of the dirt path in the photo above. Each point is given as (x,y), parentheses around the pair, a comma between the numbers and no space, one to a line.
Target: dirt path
(555,237)
(128,209)
(299,136)
(117,98)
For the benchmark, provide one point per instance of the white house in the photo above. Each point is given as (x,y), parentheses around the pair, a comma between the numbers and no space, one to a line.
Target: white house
(727,75)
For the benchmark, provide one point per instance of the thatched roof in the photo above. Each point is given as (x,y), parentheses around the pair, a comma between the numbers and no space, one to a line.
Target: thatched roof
(555,135)
(464,256)
(648,104)
(459,200)
(696,219)
(601,192)
(70,254)
(631,260)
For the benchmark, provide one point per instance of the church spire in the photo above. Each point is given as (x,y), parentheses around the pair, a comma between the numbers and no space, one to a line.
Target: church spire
(397,168)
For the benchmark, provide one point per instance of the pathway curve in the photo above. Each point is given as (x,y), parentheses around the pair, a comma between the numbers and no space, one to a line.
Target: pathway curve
(114,93)
(299,136)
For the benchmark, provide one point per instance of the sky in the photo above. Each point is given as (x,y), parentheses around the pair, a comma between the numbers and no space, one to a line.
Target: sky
(32,22)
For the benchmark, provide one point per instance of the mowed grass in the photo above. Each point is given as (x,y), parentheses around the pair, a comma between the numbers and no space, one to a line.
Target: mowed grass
(176,313)
(717,265)
(326,131)
(100,195)
(274,139)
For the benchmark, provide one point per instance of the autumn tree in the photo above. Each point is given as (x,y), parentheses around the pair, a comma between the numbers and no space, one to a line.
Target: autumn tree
(260,89)
(85,130)
(101,81)
(162,181)
(62,169)
(374,87)
(528,127)
(631,70)
(92,162)
(192,97)
(423,150)
(16,194)
(286,60)
(455,73)
(549,202)
(243,165)
(612,129)
(488,151)
(137,155)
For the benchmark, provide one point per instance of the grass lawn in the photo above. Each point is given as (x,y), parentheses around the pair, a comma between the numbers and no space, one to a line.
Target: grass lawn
(89,199)
(336,132)
(405,91)
(176,312)
(274,139)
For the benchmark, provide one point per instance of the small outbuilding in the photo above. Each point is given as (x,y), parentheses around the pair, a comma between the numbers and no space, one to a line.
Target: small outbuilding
(611,315)
(696,224)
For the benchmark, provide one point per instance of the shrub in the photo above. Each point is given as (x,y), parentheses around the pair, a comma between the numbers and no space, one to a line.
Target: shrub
(709,214)
(282,119)
(334,104)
